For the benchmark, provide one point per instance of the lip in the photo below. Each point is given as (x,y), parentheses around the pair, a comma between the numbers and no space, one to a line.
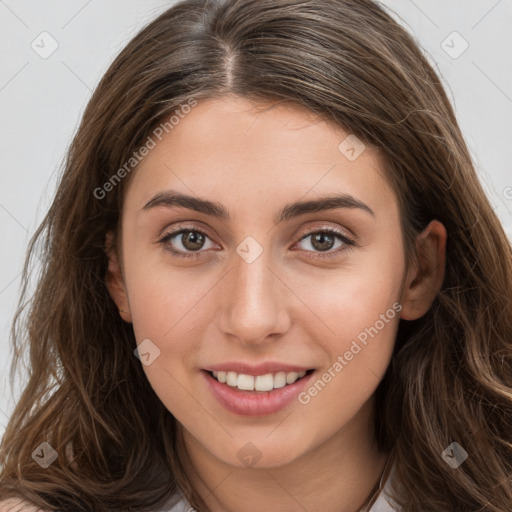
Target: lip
(256,369)
(255,403)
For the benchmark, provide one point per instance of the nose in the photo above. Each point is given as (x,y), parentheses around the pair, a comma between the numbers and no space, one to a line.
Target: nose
(254,302)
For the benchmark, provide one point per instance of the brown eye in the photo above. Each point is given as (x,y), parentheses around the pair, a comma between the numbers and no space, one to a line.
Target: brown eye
(323,241)
(186,243)
(192,240)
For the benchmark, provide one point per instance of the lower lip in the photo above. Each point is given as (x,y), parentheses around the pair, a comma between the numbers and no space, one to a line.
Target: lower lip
(255,403)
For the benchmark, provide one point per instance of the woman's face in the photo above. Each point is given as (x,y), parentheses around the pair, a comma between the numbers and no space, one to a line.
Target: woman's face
(256,287)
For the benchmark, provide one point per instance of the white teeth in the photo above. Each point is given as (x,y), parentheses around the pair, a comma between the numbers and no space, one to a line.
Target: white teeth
(231,378)
(245,382)
(280,380)
(291,377)
(266,382)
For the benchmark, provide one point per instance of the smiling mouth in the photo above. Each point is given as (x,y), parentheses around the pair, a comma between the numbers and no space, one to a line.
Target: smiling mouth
(259,383)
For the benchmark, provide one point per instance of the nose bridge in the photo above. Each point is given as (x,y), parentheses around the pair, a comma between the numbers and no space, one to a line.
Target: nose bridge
(252,306)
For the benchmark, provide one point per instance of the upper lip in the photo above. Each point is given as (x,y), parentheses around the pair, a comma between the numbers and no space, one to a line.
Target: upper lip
(257,369)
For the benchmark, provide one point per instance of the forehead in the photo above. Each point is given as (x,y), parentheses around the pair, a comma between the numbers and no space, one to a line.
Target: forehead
(266,151)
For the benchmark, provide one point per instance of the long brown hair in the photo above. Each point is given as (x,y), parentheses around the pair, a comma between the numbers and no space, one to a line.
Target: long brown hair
(450,378)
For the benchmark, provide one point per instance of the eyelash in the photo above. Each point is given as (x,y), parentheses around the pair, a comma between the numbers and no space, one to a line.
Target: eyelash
(181,229)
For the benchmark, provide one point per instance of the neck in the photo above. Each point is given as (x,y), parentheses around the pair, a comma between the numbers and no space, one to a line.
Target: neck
(339,475)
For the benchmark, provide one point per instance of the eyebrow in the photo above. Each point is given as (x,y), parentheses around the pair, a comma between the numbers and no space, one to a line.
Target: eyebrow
(172,198)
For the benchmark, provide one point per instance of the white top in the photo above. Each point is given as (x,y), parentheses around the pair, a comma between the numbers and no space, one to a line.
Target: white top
(384,503)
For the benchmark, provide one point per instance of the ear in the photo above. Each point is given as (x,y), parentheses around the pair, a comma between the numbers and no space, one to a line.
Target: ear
(425,277)
(114,279)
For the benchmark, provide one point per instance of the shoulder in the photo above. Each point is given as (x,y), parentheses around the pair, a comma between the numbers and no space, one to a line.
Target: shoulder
(177,504)
(18,505)
(384,502)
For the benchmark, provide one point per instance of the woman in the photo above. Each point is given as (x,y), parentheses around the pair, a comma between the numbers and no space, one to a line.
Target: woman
(272,281)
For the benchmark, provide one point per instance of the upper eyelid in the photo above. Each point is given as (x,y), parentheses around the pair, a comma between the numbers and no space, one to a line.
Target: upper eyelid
(343,233)
(178,230)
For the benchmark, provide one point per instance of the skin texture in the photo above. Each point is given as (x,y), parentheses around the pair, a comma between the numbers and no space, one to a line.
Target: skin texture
(287,305)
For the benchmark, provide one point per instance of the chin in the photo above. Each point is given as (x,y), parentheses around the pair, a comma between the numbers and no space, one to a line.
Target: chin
(262,454)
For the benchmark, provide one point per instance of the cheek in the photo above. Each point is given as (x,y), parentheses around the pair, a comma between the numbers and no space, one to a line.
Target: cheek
(359,308)
(355,296)
(167,310)
(167,305)
(365,321)
(362,321)
(172,308)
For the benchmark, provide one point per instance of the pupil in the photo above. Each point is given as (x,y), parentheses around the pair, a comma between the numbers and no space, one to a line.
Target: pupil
(319,240)
(193,238)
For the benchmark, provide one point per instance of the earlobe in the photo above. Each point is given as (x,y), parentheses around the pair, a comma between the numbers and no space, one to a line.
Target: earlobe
(114,279)
(425,277)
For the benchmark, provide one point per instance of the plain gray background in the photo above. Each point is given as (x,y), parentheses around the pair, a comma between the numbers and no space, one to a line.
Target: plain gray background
(43,96)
